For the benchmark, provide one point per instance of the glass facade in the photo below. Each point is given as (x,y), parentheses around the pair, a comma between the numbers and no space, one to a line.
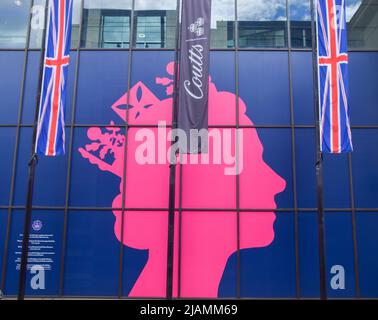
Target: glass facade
(253,235)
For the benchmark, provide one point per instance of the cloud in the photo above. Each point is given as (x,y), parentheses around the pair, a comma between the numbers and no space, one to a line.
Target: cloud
(261,10)
(300,10)
(107,4)
(155,4)
(126,4)
(222,10)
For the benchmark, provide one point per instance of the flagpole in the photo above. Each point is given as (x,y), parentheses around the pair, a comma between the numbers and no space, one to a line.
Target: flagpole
(319,161)
(32,167)
(172,167)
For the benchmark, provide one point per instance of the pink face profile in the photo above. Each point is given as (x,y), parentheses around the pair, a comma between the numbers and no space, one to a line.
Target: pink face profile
(208,221)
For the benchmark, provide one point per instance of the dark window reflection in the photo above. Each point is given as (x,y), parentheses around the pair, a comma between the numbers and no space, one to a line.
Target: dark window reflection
(155,29)
(362,24)
(116,29)
(155,24)
(301,36)
(106,24)
(262,24)
(14,19)
(261,34)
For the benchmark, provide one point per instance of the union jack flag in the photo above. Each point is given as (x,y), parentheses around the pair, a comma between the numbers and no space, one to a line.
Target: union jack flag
(335,132)
(50,134)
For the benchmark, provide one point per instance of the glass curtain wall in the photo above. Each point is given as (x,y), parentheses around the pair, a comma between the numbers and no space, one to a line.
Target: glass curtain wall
(120,72)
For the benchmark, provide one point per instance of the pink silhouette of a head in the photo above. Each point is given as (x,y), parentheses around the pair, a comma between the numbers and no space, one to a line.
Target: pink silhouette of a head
(208,236)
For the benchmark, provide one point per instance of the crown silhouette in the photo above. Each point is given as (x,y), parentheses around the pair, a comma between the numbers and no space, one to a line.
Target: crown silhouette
(106,147)
(107,144)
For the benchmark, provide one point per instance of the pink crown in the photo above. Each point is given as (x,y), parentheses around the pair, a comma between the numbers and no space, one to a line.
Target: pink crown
(107,144)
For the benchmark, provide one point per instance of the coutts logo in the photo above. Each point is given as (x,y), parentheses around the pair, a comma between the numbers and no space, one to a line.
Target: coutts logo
(198,27)
(194,87)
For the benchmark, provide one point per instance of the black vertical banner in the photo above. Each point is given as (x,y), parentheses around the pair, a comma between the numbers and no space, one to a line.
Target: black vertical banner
(194,75)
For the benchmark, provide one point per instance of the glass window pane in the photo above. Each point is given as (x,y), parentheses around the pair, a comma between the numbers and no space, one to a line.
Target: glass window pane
(367,241)
(263,86)
(267,261)
(365,170)
(305,160)
(76,12)
(362,23)
(300,24)
(106,24)
(155,23)
(302,82)
(3,228)
(363,93)
(262,23)
(336,181)
(7,144)
(267,162)
(96,167)
(37,23)
(116,32)
(92,254)
(11,63)
(14,15)
(339,253)
(47,192)
(142,189)
(208,242)
(222,23)
(308,254)
(222,72)
(100,86)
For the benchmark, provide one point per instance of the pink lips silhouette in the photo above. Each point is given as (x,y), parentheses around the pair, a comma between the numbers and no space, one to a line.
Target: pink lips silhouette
(208,237)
